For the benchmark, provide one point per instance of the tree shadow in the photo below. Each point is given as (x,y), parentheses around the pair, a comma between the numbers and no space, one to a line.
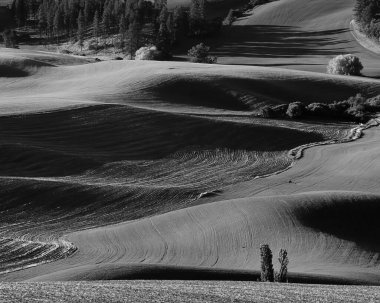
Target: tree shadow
(266,41)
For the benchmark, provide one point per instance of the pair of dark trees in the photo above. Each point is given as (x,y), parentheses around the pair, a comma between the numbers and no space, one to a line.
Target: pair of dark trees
(267,271)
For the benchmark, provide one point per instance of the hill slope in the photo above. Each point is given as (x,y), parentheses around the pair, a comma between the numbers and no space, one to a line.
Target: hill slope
(297,34)
(150,146)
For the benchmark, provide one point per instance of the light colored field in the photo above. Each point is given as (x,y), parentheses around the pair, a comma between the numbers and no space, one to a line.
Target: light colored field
(184,291)
(174,87)
(321,231)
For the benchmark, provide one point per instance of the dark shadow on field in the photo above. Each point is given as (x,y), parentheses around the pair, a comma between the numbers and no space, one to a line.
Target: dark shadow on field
(266,41)
(122,271)
(12,72)
(352,220)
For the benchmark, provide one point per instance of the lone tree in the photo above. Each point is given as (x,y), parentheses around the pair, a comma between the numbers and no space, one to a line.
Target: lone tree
(200,54)
(122,30)
(95,27)
(197,16)
(80,32)
(267,273)
(345,65)
(282,274)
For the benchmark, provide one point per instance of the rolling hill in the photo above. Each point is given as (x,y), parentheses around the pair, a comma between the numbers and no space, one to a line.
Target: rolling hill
(140,170)
(296,34)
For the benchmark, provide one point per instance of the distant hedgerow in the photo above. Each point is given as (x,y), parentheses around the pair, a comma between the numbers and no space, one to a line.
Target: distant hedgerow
(357,108)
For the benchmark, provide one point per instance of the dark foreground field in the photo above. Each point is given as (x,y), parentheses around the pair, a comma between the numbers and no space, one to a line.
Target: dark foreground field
(184,291)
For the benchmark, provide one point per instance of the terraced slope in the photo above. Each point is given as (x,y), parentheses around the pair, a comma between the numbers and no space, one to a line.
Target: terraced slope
(171,87)
(85,145)
(331,233)
(91,145)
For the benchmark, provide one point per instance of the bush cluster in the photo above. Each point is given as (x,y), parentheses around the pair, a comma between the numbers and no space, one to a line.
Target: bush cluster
(356,108)
(148,53)
(200,54)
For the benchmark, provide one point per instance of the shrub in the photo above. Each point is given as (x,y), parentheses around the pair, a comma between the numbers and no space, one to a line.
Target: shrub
(373,104)
(295,110)
(280,110)
(148,53)
(282,274)
(267,112)
(318,109)
(267,273)
(10,38)
(345,65)
(356,113)
(65,52)
(277,111)
(200,54)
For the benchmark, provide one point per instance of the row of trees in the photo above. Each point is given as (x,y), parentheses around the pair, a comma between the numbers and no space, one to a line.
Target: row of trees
(131,20)
(367,15)
(357,108)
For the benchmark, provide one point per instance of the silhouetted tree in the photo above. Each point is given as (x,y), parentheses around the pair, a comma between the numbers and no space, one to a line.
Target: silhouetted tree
(122,30)
(134,36)
(282,274)
(95,26)
(21,12)
(164,41)
(107,16)
(267,273)
(58,23)
(80,32)
(42,23)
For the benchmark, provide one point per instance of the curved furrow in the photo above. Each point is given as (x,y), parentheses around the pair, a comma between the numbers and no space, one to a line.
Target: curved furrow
(226,235)
(18,253)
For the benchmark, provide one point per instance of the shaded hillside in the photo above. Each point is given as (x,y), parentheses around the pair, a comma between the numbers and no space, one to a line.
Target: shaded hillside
(298,34)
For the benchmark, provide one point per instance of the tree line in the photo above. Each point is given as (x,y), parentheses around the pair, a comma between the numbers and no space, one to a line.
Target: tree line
(58,20)
(367,16)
